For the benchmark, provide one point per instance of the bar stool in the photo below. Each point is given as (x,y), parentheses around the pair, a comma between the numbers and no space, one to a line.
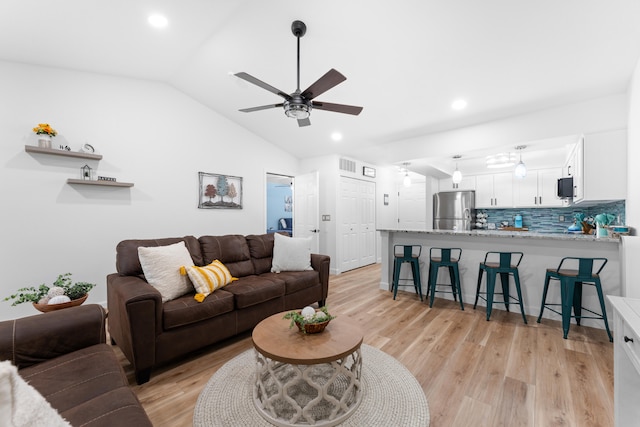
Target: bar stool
(571,282)
(505,267)
(411,255)
(442,257)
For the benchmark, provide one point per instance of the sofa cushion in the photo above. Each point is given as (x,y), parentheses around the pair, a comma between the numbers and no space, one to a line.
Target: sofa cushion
(252,290)
(295,281)
(23,405)
(80,379)
(186,310)
(161,266)
(207,279)
(261,250)
(232,250)
(291,253)
(128,263)
(118,407)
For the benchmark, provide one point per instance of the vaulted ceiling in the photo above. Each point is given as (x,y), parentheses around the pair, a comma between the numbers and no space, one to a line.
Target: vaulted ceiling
(405,61)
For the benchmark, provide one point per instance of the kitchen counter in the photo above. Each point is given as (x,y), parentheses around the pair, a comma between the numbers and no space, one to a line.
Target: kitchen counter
(541,251)
(513,235)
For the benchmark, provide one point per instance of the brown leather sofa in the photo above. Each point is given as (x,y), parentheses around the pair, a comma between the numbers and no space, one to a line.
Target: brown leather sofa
(151,333)
(63,354)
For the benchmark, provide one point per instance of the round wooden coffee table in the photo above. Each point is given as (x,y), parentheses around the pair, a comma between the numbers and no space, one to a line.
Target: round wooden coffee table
(307,379)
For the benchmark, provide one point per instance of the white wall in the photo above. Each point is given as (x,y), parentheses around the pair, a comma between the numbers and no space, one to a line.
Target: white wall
(149,134)
(633,152)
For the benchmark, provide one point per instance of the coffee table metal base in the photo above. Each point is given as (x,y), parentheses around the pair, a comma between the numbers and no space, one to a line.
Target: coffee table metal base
(322,394)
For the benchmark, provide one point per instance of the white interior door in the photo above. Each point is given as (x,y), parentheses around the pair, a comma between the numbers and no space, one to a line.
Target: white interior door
(357,224)
(367,212)
(306,208)
(349,257)
(412,206)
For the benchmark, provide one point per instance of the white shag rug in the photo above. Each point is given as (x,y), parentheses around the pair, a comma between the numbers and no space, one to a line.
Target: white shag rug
(391,395)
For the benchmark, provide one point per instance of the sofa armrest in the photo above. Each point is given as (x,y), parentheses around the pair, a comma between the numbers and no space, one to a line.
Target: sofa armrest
(135,318)
(34,339)
(321,263)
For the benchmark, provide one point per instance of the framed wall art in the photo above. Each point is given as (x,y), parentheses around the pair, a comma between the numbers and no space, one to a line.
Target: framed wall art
(219,191)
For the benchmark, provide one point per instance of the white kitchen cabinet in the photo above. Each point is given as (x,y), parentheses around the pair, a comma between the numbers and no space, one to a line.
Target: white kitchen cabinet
(598,165)
(494,190)
(626,360)
(467,183)
(537,189)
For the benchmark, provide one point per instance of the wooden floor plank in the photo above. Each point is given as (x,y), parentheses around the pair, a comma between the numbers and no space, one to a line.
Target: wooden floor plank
(473,372)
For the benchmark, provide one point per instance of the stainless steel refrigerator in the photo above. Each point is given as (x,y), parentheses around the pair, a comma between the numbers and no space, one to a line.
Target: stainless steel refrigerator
(454,210)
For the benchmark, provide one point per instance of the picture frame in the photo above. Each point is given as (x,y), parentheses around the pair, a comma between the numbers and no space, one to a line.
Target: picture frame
(367,171)
(218,191)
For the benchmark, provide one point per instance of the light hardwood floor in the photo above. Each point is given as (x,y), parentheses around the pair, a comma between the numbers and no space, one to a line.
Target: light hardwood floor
(473,372)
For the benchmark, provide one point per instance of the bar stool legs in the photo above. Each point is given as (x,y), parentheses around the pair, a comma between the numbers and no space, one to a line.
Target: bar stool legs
(504,268)
(571,284)
(409,254)
(448,257)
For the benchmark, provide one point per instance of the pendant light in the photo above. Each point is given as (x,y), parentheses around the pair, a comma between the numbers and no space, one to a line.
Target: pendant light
(520,170)
(407,179)
(457,175)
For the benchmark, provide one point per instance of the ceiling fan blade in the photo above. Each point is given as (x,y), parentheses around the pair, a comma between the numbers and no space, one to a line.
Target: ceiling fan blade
(338,108)
(263,85)
(262,107)
(330,79)
(304,122)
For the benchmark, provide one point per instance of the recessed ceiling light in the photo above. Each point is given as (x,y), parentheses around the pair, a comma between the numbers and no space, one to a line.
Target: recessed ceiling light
(336,136)
(158,21)
(459,104)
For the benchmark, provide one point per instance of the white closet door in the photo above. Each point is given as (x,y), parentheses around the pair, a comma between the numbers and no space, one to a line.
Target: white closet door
(349,227)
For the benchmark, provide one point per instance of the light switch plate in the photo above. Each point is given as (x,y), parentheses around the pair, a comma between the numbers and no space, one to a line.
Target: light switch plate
(326,217)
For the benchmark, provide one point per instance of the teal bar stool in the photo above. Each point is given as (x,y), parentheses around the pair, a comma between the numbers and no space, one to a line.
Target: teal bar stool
(448,258)
(571,281)
(406,254)
(501,263)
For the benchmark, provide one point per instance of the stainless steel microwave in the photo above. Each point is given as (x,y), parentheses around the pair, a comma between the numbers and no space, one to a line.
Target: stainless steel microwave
(565,188)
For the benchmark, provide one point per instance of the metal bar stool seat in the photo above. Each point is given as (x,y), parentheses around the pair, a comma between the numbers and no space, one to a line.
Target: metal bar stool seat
(500,263)
(447,258)
(409,254)
(571,281)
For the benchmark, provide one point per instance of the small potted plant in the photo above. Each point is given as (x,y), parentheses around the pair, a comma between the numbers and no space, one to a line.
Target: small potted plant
(64,293)
(44,132)
(309,320)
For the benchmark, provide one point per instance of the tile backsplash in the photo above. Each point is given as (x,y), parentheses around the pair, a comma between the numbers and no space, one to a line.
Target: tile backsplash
(548,219)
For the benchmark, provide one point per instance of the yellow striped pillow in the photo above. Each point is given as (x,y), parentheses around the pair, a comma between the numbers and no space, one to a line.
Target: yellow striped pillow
(208,278)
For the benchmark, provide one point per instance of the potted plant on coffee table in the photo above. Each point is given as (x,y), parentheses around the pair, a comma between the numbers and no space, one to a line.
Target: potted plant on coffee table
(62,294)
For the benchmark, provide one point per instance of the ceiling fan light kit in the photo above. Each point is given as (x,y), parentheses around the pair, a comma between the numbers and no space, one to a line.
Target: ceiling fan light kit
(299,104)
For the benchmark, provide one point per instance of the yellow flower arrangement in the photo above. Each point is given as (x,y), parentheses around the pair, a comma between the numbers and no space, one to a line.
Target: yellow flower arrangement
(45,129)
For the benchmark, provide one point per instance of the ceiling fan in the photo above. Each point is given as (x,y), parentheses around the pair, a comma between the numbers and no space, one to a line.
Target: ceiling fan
(299,104)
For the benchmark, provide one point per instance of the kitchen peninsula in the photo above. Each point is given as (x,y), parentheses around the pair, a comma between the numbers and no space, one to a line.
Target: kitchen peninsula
(541,251)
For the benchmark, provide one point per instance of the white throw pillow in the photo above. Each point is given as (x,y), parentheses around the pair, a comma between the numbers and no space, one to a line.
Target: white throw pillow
(161,267)
(22,405)
(291,253)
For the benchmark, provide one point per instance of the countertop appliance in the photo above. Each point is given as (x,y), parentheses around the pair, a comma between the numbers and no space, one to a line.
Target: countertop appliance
(454,210)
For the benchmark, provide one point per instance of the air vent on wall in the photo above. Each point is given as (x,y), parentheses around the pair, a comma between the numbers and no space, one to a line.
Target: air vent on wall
(347,165)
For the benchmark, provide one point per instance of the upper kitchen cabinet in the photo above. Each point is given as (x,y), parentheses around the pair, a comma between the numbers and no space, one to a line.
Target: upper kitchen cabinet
(468,183)
(537,189)
(494,190)
(598,165)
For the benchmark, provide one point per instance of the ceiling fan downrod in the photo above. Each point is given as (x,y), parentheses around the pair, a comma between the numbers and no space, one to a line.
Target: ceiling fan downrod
(298,28)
